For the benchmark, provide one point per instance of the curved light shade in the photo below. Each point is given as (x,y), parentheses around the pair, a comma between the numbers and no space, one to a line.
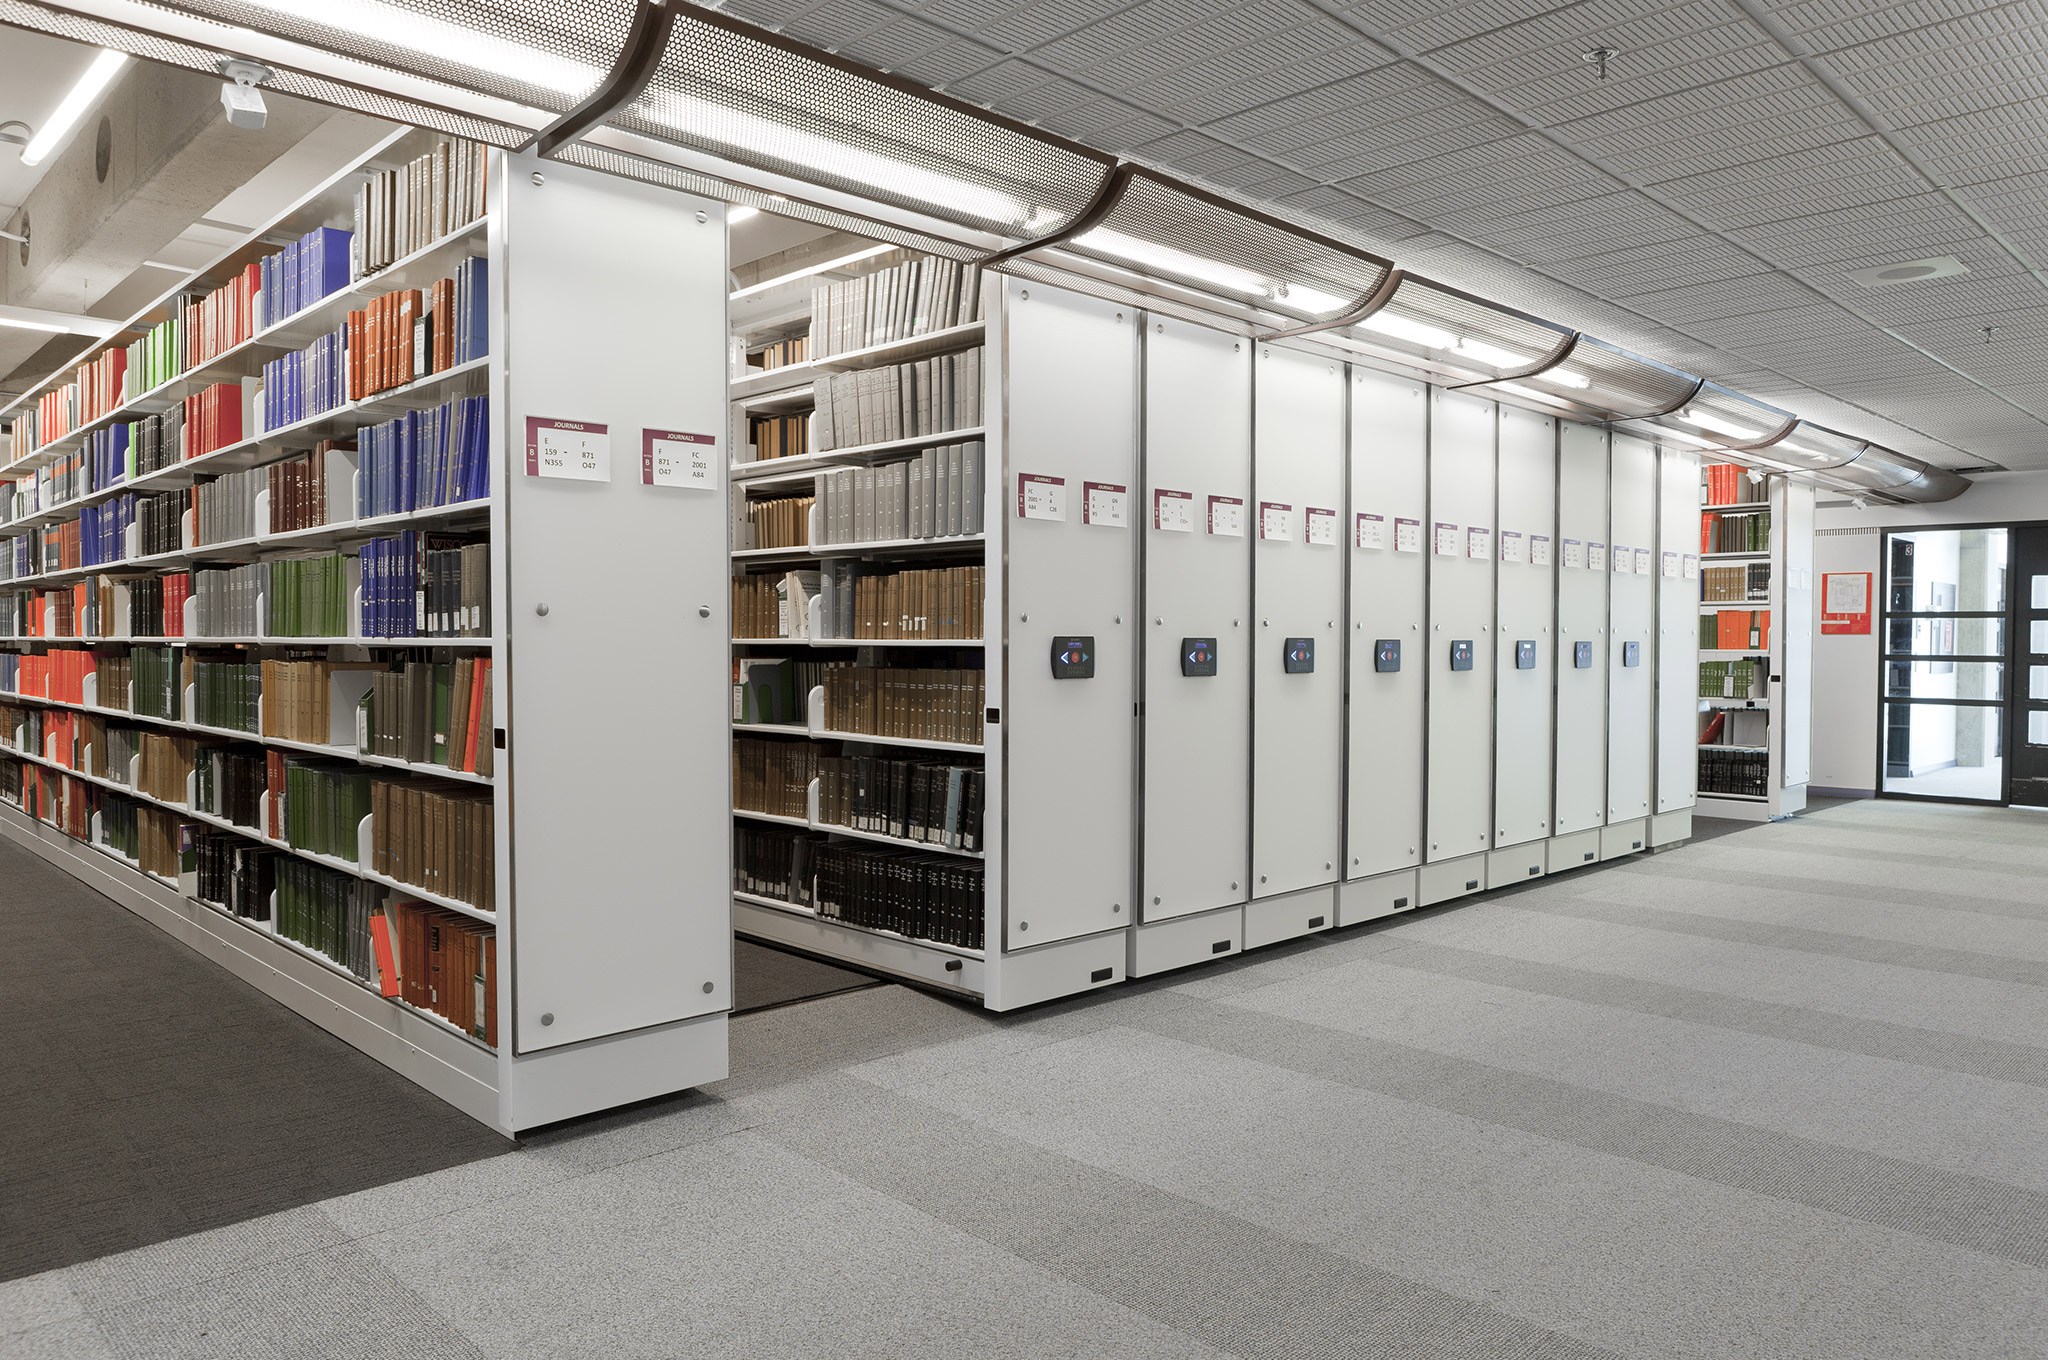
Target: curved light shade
(1814,448)
(1608,383)
(744,95)
(1150,229)
(1470,341)
(1880,469)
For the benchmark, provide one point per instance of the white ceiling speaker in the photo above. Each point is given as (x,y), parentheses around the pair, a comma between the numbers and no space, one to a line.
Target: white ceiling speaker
(239,95)
(1909,271)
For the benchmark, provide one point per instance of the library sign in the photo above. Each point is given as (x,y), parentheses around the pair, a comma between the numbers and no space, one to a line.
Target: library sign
(578,450)
(1845,603)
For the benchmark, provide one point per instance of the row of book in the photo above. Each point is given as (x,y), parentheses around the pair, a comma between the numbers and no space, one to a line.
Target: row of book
(1741,771)
(906,603)
(431,713)
(1735,630)
(1735,531)
(442,962)
(1730,680)
(324,805)
(773,604)
(779,522)
(1734,582)
(794,349)
(876,405)
(914,703)
(100,607)
(435,837)
(913,298)
(438,456)
(932,802)
(224,507)
(399,211)
(779,436)
(937,494)
(903,892)
(315,266)
(426,585)
(1725,484)
(773,777)
(298,487)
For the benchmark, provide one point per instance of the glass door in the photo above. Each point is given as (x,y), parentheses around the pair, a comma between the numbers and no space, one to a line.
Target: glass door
(1944,659)
(2029,783)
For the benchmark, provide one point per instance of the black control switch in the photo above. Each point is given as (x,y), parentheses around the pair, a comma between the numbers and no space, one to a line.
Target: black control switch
(1582,656)
(1461,654)
(1300,658)
(1525,655)
(1631,653)
(1073,658)
(1198,656)
(1386,654)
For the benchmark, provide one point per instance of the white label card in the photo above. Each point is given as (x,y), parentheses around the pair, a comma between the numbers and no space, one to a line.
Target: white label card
(1574,553)
(679,458)
(1407,535)
(1322,527)
(1511,545)
(1479,544)
(1106,504)
(1671,566)
(1596,556)
(1692,567)
(574,450)
(1446,542)
(1624,560)
(1539,550)
(1370,531)
(1173,512)
(1041,497)
(1226,516)
(1642,561)
(1276,520)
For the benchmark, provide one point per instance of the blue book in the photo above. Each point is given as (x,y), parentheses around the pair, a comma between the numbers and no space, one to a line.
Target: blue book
(325,257)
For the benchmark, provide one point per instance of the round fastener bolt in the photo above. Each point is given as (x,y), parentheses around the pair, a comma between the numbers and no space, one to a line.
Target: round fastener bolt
(1262,878)
(1023,926)
(702,217)
(1024,295)
(538,180)
(707,989)
(1155,901)
(703,611)
(1116,908)
(541,610)
(547,1017)
(1233,885)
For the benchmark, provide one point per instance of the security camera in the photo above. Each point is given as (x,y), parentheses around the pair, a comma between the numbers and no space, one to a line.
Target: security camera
(240,97)
(1756,478)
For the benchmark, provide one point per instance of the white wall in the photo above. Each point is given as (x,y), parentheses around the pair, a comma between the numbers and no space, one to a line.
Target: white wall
(1993,498)
(1845,676)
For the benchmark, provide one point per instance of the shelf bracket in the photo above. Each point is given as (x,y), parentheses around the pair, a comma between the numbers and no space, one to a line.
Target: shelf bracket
(646,42)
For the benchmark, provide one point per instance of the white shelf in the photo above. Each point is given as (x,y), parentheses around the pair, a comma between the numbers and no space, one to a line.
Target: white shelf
(915,743)
(749,815)
(1735,705)
(834,829)
(1732,654)
(880,545)
(858,453)
(1745,605)
(246,359)
(335,863)
(771,380)
(777,729)
(1735,557)
(1740,505)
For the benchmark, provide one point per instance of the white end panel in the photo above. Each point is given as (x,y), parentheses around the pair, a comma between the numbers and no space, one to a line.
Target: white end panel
(1792,643)
(1678,627)
(1462,437)
(1581,628)
(1071,414)
(1298,596)
(1198,588)
(648,939)
(1388,537)
(1526,610)
(1631,611)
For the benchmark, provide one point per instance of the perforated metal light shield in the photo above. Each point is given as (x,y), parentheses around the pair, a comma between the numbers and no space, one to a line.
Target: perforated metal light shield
(1458,334)
(743,95)
(1717,418)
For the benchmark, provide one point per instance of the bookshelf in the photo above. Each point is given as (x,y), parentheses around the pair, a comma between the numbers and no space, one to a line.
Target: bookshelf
(262,678)
(1750,554)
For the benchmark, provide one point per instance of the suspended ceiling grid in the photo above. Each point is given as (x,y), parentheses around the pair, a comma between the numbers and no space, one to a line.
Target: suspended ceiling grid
(1703,204)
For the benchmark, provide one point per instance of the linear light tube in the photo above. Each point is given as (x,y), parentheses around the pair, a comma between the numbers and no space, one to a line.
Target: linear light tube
(32,325)
(809,270)
(97,77)
(475,48)
(1565,377)
(1413,331)
(1214,272)
(736,215)
(1707,420)
(1492,355)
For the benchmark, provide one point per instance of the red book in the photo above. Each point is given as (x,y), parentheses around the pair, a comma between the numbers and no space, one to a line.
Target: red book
(387,966)
(476,707)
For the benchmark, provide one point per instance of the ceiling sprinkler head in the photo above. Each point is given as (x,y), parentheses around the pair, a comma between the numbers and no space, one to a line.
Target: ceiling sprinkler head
(1600,56)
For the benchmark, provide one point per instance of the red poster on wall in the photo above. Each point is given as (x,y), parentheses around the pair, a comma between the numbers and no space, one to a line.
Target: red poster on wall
(1844,603)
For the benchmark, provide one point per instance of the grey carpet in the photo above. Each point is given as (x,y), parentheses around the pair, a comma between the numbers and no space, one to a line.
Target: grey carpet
(1782,1092)
(150,1094)
(764,976)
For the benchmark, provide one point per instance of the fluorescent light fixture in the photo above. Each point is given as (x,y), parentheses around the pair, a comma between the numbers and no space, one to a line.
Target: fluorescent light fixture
(57,127)
(809,270)
(457,44)
(1566,377)
(1707,420)
(1547,398)
(737,215)
(1230,278)
(1492,355)
(32,325)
